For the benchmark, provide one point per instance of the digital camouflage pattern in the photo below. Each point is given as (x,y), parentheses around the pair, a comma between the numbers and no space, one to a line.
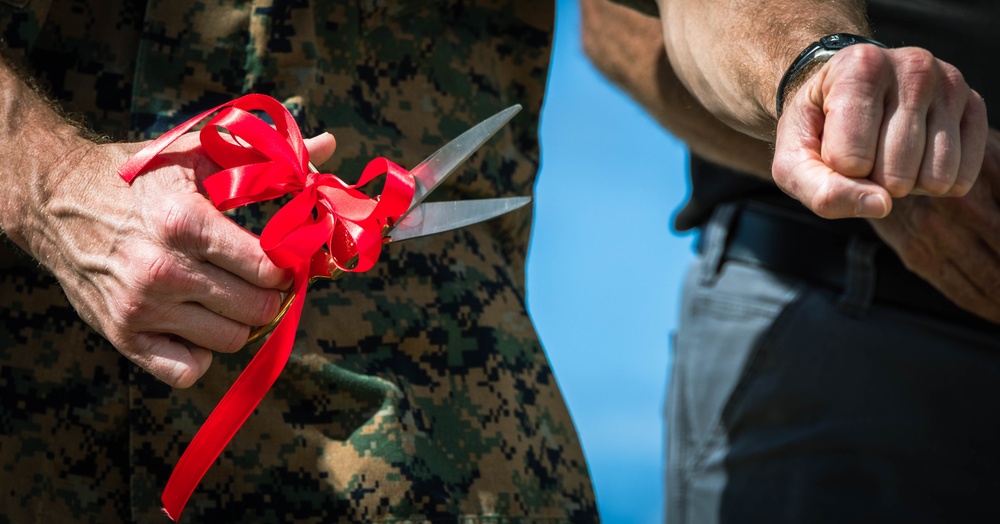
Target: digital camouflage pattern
(417,392)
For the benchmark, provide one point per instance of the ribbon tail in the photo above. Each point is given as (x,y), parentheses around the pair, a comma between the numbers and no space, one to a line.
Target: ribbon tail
(134,166)
(236,406)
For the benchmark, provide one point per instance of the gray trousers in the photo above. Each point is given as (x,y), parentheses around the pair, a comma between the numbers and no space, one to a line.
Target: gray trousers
(790,402)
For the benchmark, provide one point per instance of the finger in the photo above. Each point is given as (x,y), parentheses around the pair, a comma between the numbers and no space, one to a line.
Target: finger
(979,210)
(211,236)
(165,278)
(201,327)
(942,158)
(852,96)
(321,148)
(974,129)
(983,269)
(218,264)
(832,195)
(959,285)
(966,239)
(232,297)
(901,147)
(169,360)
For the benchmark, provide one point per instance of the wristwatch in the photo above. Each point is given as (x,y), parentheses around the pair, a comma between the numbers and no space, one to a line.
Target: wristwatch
(817,52)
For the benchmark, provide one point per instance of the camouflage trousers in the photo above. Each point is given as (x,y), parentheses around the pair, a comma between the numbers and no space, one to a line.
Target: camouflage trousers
(428,417)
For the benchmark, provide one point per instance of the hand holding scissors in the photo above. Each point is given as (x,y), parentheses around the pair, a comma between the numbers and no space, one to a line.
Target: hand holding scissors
(260,162)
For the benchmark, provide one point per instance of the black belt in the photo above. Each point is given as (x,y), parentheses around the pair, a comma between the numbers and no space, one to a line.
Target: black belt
(800,246)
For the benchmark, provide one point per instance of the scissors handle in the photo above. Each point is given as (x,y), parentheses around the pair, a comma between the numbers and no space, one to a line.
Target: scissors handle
(259,332)
(320,271)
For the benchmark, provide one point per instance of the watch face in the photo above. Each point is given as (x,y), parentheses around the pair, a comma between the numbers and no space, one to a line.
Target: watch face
(842,40)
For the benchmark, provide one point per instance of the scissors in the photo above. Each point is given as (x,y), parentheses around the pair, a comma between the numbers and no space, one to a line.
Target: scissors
(426,218)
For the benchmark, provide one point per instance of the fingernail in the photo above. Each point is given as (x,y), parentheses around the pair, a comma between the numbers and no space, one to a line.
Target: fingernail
(872,206)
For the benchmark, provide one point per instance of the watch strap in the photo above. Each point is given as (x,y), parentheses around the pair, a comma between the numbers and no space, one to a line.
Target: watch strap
(816,52)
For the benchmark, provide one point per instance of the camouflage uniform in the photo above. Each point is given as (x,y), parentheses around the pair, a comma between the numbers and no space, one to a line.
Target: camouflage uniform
(415,392)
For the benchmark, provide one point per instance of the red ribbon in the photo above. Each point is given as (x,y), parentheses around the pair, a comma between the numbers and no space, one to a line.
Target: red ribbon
(261,163)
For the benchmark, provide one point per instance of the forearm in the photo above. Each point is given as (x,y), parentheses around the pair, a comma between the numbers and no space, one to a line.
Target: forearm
(731,54)
(627,47)
(34,138)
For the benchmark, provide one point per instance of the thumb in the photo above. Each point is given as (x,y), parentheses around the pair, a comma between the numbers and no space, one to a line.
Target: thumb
(320,147)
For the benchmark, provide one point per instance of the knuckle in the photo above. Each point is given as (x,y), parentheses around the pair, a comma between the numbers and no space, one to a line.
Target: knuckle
(919,78)
(936,184)
(134,309)
(850,163)
(868,62)
(181,224)
(237,339)
(159,268)
(898,186)
(975,110)
(952,78)
(917,61)
(270,307)
(915,257)
(129,344)
(147,352)
(180,376)
(825,204)
(963,184)
(850,104)
(160,271)
(848,157)
(927,79)
(923,220)
(138,349)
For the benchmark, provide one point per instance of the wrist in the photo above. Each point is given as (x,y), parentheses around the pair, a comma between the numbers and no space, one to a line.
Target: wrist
(809,60)
(34,142)
(32,183)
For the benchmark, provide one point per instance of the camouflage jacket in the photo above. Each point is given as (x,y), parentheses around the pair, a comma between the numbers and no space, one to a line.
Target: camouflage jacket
(417,391)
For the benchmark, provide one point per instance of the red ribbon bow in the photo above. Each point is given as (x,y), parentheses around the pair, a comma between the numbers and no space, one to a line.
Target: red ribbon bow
(262,163)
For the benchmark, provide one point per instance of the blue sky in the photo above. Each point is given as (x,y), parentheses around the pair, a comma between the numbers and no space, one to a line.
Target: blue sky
(604,272)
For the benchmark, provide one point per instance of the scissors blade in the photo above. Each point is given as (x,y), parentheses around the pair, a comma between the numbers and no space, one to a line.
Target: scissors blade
(437,167)
(437,217)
